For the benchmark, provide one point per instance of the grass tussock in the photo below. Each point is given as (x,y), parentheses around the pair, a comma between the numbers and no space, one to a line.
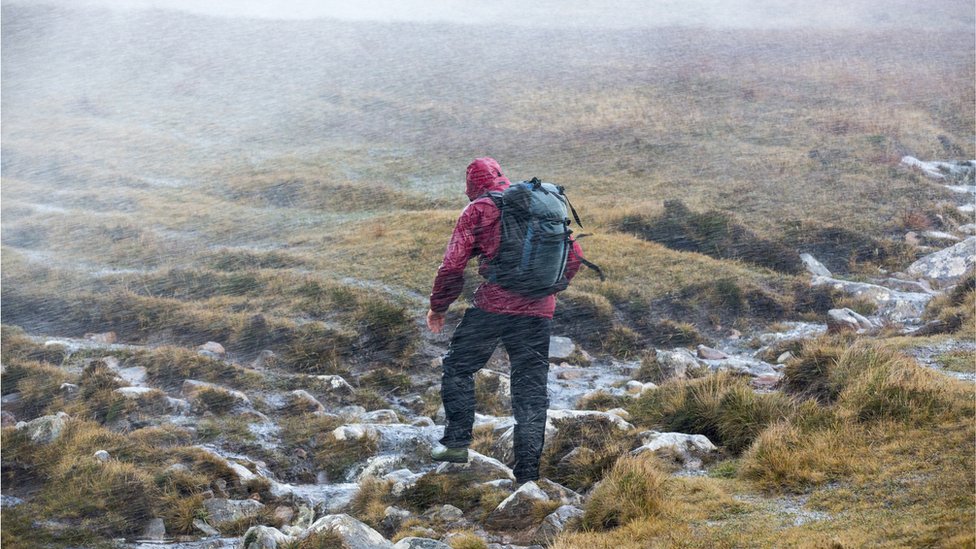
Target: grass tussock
(632,490)
(955,311)
(581,452)
(370,502)
(433,489)
(336,457)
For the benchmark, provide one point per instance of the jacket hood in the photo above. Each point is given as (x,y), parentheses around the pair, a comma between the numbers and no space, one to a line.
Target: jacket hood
(483,175)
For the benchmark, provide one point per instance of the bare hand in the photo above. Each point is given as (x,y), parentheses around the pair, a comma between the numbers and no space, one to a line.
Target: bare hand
(435,321)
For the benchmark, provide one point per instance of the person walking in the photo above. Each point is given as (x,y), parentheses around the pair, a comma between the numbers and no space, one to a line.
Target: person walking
(522,323)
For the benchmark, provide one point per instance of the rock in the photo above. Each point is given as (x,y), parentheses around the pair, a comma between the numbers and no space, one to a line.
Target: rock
(69,391)
(940,236)
(106,338)
(303,401)
(893,305)
(205,528)
(620,412)
(558,492)
(968,228)
(813,266)
(355,534)
(556,522)
(581,416)
(393,517)
(637,388)
(675,364)
(102,455)
(572,374)
(192,389)
(516,512)
(481,468)
(134,375)
(355,431)
(403,480)
(422,421)
(711,354)
(690,450)
(10,501)
(264,537)
(264,359)
(846,320)
(446,513)
(381,416)
(212,347)
(134,393)
(223,510)
(503,449)
(380,466)
(12,398)
(45,429)
(335,385)
(154,530)
(742,366)
(765,382)
(7,419)
(420,543)
(948,266)
(561,347)
(499,484)
(283,514)
(783,358)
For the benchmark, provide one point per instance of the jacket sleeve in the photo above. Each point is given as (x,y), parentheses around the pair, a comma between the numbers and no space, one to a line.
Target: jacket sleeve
(573,262)
(450,275)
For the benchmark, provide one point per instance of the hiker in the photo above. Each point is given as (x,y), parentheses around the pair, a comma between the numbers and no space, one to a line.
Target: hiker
(522,323)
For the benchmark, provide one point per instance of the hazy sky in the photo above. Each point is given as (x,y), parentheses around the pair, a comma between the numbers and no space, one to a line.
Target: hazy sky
(559,13)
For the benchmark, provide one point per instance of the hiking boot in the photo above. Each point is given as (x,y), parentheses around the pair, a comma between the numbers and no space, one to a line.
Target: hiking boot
(452,455)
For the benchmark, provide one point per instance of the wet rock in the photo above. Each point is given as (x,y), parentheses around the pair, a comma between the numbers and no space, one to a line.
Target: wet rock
(394,517)
(947,266)
(205,528)
(420,543)
(212,348)
(154,530)
(481,468)
(556,522)
(446,513)
(846,320)
(689,450)
(192,389)
(45,429)
(516,512)
(106,338)
(228,510)
(711,354)
(813,266)
(354,533)
(675,364)
(302,401)
(561,347)
(264,537)
(102,455)
(381,416)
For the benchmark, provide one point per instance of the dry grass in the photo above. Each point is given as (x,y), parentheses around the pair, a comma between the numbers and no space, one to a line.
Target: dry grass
(632,490)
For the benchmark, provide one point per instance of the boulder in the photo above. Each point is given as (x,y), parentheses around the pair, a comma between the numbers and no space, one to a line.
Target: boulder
(446,514)
(516,512)
(948,266)
(264,537)
(561,347)
(302,401)
(689,450)
(45,429)
(223,510)
(381,416)
(154,530)
(893,305)
(813,266)
(420,543)
(212,348)
(846,320)
(711,354)
(675,364)
(393,518)
(556,522)
(354,533)
(481,468)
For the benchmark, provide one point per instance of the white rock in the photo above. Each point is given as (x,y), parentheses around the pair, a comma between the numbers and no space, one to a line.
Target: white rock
(303,399)
(841,320)
(264,537)
(354,533)
(447,513)
(381,416)
(516,511)
(420,543)
(947,266)
(814,267)
(556,522)
(155,530)
(939,235)
(205,528)
(968,228)
(228,510)
(783,358)
(133,393)
(102,455)
(480,467)
(336,384)
(355,432)
(620,412)
(192,388)
(675,364)
(561,347)
(555,416)
(45,429)
(690,449)
(212,347)
(893,305)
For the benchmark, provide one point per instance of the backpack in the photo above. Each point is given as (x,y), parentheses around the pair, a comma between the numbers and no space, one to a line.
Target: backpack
(535,239)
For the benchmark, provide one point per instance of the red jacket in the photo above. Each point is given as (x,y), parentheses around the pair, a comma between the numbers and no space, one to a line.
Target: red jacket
(478,233)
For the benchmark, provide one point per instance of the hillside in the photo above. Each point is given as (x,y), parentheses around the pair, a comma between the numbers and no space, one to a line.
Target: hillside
(219,233)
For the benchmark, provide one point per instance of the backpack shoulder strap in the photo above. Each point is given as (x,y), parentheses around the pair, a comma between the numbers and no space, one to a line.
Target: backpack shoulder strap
(495,196)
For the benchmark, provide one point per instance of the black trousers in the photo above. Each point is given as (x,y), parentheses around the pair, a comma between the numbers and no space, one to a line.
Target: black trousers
(526,339)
